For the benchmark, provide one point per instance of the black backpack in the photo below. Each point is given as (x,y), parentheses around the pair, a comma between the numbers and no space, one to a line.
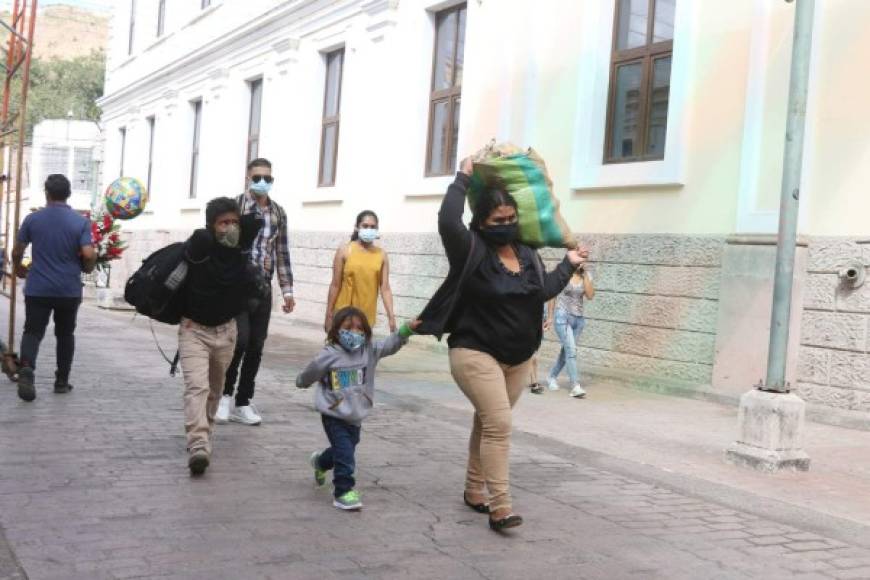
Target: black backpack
(153,290)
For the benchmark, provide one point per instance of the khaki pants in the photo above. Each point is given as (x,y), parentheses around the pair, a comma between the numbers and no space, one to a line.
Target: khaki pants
(493,388)
(205,353)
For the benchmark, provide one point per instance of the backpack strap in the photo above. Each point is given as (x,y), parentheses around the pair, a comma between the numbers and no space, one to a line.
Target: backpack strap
(173,364)
(173,367)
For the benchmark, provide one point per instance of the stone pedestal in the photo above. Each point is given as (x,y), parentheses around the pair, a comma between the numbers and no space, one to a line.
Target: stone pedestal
(771,432)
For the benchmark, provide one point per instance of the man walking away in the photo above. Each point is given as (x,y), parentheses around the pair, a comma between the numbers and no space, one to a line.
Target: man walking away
(62,250)
(270,253)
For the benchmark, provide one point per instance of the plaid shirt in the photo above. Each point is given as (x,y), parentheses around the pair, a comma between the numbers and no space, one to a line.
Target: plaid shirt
(271,249)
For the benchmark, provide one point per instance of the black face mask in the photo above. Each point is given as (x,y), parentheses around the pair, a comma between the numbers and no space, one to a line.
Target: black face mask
(501,235)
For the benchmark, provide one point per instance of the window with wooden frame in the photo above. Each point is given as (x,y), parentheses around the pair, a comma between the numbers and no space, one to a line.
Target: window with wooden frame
(194,149)
(161,17)
(445,97)
(123,132)
(331,118)
(640,79)
(254,114)
(151,126)
(132,26)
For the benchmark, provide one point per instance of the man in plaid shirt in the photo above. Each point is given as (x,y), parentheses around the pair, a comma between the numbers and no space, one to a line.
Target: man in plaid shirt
(271,252)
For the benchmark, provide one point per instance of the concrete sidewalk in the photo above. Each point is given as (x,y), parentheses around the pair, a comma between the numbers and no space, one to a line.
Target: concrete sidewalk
(94,484)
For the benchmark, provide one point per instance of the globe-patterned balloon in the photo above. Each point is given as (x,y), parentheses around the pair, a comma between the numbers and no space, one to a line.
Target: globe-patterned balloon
(126,198)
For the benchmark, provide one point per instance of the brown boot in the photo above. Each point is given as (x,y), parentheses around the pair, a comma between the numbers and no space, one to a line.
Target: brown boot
(198,462)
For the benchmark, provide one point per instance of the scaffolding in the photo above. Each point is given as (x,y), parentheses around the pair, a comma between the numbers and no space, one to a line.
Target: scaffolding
(19,29)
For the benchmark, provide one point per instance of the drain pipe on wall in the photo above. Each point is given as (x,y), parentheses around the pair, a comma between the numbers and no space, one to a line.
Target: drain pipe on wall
(771,418)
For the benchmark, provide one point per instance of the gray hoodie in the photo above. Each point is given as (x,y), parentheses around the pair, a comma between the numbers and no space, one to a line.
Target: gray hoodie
(346,388)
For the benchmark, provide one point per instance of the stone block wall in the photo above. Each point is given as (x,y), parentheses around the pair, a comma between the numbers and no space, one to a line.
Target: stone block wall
(653,319)
(655,312)
(654,316)
(834,360)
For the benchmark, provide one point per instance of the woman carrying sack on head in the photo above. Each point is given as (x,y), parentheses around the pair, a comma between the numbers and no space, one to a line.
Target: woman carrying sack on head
(361,270)
(492,305)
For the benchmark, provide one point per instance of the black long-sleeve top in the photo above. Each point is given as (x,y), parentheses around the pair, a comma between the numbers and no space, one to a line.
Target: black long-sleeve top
(484,306)
(220,281)
(502,312)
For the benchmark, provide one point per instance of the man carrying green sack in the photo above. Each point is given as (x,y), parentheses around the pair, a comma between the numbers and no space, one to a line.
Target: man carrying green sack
(524,175)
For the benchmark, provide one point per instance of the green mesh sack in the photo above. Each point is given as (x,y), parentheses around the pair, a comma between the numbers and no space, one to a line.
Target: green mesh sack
(524,175)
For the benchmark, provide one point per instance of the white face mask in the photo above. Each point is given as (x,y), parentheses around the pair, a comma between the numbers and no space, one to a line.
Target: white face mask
(368,235)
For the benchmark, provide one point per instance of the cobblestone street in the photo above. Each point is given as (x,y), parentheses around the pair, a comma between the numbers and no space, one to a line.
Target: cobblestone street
(95,485)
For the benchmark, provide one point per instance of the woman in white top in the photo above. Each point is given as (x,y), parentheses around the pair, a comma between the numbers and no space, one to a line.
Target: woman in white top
(566,315)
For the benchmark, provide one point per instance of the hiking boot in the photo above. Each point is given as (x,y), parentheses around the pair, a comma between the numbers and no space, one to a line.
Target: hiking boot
(26,388)
(349,501)
(223,411)
(319,474)
(246,415)
(198,461)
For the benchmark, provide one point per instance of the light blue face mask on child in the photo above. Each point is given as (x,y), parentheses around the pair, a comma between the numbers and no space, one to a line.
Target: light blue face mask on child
(351,341)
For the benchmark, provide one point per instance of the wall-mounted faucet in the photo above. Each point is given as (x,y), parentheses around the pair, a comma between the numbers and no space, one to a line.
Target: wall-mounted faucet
(853,274)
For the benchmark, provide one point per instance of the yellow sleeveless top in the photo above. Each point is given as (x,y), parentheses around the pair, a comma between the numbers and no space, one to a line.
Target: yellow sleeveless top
(361,280)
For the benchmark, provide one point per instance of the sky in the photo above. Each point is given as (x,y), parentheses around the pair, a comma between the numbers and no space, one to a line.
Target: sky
(97,5)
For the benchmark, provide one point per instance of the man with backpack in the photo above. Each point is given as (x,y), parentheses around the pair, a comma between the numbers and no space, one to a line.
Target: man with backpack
(270,252)
(218,285)
(62,250)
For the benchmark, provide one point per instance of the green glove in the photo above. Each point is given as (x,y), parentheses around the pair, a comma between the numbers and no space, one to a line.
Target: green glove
(405,331)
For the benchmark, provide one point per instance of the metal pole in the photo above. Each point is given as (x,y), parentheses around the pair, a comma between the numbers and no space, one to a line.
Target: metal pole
(790,201)
(6,185)
(19,173)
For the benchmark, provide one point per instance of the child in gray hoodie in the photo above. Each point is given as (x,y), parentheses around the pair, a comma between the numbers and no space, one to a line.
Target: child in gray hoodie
(345,371)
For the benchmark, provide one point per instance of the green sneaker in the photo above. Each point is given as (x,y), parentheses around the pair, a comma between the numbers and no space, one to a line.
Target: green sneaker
(349,501)
(319,474)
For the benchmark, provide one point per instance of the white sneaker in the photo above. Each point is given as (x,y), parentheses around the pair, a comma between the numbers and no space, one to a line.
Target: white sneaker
(223,411)
(578,392)
(246,415)
(552,385)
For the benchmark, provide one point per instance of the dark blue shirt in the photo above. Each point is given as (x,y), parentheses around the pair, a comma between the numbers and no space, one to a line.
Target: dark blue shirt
(57,234)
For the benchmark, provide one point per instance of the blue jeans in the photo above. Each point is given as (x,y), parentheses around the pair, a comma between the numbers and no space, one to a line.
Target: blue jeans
(343,439)
(568,328)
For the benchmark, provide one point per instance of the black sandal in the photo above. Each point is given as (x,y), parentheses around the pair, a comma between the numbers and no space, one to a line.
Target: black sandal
(510,521)
(481,508)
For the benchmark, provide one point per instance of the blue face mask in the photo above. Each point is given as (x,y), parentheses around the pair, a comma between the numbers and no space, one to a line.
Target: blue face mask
(260,188)
(368,235)
(350,340)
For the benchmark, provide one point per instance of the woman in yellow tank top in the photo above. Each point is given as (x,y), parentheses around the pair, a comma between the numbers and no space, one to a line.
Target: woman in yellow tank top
(360,271)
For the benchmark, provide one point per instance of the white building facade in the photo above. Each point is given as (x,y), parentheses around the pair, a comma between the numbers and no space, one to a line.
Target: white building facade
(662,122)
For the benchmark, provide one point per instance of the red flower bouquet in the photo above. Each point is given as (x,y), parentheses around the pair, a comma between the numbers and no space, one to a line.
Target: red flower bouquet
(106,235)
